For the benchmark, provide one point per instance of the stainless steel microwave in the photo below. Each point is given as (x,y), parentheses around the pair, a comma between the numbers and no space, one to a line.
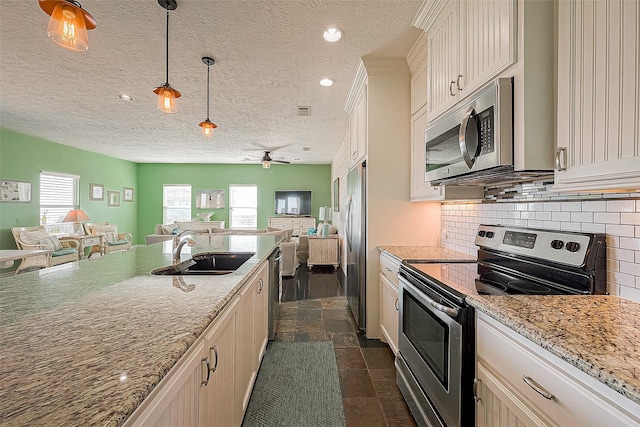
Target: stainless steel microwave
(477,136)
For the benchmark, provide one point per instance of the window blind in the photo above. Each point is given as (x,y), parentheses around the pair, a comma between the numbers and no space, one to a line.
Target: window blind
(59,193)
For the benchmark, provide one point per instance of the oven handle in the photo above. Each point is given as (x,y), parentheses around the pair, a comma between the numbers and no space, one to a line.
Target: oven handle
(451,312)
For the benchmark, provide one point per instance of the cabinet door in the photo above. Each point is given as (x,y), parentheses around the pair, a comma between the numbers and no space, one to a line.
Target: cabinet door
(419,85)
(389,312)
(420,189)
(245,356)
(488,41)
(498,406)
(217,392)
(261,317)
(358,129)
(598,85)
(442,61)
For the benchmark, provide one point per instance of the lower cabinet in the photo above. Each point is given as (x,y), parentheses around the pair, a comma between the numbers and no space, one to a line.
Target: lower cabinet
(520,383)
(211,384)
(389,304)
(324,251)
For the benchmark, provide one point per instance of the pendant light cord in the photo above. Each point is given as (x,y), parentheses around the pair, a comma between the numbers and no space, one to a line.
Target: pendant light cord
(167,56)
(208,91)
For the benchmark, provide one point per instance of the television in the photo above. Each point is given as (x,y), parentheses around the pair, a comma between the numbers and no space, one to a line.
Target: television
(293,202)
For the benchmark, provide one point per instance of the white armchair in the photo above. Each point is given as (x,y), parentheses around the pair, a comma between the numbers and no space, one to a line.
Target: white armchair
(113,241)
(31,238)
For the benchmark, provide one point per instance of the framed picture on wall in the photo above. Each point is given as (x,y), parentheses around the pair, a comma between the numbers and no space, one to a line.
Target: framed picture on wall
(127,194)
(15,191)
(96,192)
(113,198)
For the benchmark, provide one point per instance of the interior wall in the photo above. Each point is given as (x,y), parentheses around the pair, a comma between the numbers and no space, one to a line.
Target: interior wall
(22,157)
(152,177)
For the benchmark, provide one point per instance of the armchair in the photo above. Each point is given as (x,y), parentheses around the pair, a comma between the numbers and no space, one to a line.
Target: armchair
(29,238)
(113,241)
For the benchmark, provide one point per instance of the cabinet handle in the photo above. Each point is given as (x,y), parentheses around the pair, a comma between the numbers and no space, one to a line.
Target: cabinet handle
(542,392)
(261,286)
(397,306)
(458,81)
(561,154)
(388,269)
(206,381)
(450,88)
(215,366)
(475,390)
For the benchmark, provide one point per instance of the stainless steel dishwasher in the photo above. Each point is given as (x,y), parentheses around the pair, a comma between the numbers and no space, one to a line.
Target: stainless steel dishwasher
(275,291)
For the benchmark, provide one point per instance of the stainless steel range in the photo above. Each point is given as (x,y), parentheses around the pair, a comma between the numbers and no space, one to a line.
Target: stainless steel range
(436,345)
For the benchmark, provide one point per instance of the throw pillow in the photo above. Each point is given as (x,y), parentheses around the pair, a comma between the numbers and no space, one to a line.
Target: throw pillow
(110,232)
(51,242)
(33,237)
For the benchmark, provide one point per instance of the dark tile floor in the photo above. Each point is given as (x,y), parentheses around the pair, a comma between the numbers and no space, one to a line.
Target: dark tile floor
(314,309)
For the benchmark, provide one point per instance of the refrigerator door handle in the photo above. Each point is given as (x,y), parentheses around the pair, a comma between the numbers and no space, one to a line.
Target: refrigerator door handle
(348,224)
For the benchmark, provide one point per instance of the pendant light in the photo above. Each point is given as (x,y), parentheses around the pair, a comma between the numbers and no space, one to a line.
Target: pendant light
(167,95)
(68,24)
(208,126)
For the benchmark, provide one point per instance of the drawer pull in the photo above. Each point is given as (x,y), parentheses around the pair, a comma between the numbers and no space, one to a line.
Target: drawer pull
(475,390)
(397,307)
(542,392)
(388,269)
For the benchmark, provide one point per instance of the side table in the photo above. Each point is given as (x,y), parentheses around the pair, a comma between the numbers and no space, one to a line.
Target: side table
(324,251)
(88,241)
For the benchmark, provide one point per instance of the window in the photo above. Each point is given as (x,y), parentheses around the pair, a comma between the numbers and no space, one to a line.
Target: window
(59,193)
(243,206)
(176,203)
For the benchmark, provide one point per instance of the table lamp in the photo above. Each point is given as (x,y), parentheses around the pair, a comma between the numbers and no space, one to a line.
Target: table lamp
(75,216)
(325,216)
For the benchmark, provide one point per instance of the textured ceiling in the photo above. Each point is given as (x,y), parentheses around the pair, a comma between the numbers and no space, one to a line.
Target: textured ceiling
(269,55)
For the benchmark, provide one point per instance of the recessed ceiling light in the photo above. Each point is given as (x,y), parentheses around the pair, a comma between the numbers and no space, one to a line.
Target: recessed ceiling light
(326,82)
(332,34)
(126,97)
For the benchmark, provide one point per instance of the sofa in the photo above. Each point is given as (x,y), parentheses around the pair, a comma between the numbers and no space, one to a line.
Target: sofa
(288,246)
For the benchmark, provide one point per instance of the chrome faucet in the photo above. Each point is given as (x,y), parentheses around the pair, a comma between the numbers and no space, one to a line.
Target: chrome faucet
(178,249)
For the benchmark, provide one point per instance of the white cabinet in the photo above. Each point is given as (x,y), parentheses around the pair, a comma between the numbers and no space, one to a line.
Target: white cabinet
(220,360)
(299,225)
(252,336)
(516,376)
(324,251)
(598,124)
(420,188)
(389,304)
(358,129)
(211,384)
(468,44)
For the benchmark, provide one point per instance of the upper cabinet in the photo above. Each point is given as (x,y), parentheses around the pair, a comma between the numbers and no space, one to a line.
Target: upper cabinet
(598,126)
(468,43)
(421,190)
(358,127)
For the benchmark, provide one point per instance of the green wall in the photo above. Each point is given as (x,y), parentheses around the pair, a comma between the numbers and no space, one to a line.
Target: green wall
(22,157)
(151,178)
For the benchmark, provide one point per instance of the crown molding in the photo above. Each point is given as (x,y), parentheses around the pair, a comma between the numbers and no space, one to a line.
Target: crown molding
(428,13)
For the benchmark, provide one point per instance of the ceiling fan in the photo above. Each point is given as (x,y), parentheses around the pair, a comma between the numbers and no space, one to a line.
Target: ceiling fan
(267,160)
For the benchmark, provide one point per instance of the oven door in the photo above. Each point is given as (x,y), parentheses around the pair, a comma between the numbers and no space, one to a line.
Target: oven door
(430,345)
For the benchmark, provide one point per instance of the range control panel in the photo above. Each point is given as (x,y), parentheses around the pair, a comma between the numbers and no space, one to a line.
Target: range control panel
(557,246)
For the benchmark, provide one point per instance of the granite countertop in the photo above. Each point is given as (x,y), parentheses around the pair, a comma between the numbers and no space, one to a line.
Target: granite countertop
(84,343)
(598,334)
(425,253)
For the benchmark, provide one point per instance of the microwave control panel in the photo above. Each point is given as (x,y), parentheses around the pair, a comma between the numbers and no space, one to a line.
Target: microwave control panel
(486,138)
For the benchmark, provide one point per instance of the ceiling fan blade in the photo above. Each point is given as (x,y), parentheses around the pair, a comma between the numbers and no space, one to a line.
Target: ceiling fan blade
(280,161)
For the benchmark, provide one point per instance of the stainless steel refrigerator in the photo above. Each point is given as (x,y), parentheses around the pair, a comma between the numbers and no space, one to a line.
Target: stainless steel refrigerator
(355,230)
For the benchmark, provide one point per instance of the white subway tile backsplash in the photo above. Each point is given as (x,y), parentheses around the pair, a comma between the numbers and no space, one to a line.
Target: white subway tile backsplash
(621,206)
(606,218)
(619,219)
(594,206)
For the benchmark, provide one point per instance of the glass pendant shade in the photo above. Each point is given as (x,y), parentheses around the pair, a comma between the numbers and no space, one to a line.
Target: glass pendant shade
(167,98)
(68,24)
(207,128)
(266,164)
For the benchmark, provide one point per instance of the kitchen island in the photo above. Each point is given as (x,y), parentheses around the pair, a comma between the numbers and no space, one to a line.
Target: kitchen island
(84,343)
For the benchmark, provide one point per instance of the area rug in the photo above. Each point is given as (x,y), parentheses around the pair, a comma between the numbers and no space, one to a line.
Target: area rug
(297,386)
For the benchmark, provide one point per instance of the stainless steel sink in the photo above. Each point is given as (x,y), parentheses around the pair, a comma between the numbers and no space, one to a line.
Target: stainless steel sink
(208,263)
